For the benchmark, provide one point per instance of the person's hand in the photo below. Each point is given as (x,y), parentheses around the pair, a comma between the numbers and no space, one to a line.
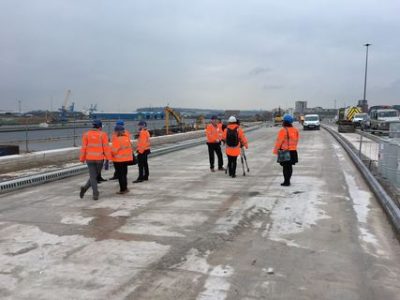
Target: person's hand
(217,141)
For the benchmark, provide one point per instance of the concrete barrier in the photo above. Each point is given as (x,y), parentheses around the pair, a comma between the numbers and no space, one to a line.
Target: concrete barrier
(13,163)
(19,162)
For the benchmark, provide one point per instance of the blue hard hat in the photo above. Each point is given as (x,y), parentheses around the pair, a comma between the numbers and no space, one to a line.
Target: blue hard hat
(120,122)
(288,119)
(119,128)
(97,123)
(142,123)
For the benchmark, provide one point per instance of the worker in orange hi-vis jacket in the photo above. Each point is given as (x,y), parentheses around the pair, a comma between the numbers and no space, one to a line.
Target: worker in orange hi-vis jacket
(234,139)
(286,148)
(94,151)
(122,154)
(114,135)
(214,136)
(143,150)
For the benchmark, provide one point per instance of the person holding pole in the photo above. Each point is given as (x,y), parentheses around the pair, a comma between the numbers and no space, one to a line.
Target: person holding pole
(234,139)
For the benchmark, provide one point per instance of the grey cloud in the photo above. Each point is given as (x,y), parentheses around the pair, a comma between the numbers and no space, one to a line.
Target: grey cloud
(259,70)
(197,54)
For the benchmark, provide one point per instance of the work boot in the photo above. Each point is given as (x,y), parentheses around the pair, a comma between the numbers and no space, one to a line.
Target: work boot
(145,178)
(113,178)
(123,192)
(221,169)
(138,180)
(82,192)
(101,179)
(212,170)
(233,176)
(285,184)
(95,197)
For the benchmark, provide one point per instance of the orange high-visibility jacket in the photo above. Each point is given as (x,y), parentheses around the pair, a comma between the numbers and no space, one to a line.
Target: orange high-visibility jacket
(235,151)
(121,149)
(95,146)
(143,141)
(282,139)
(213,133)
(126,132)
(221,131)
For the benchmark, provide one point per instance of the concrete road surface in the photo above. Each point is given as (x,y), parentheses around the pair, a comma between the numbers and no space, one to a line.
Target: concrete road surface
(192,234)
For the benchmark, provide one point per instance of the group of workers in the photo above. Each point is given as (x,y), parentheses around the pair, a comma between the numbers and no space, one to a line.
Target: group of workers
(232,136)
(96,149)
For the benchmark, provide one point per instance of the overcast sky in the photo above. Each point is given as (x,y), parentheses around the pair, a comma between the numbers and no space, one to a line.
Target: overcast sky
(248,54)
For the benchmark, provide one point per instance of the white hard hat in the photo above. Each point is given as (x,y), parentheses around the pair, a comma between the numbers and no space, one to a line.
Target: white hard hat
(232,119)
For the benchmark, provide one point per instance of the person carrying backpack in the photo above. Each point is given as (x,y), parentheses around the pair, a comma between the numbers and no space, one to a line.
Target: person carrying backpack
(214,135)
(234,139)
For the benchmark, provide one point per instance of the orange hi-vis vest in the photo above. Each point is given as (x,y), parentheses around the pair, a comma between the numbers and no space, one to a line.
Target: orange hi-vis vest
(221,131)
(143,141)
(212,133)
(95,146)
(121,149)
(235,151)
(126,132)
(282,139)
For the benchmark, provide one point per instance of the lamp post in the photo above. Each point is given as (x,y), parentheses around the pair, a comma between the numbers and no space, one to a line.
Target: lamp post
(366,68)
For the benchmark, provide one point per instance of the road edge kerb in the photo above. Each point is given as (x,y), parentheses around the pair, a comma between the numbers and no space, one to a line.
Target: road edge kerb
(387,203)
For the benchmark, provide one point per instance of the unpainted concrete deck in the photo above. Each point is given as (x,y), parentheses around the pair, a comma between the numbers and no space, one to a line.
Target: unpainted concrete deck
(192,234)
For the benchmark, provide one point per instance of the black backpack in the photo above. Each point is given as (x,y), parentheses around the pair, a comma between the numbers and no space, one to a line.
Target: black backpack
(232,137)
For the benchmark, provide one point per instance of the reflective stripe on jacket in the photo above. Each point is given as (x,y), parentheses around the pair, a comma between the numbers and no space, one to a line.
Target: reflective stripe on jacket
(143,141)
(94,146)
(121,149)
(282,139)
(235,151)
(212,133)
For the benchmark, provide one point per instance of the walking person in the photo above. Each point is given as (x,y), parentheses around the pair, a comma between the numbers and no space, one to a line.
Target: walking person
(287,140)
(121,152)
(94,150)
(234,139)
(143,150)
(214,136)
(114,135)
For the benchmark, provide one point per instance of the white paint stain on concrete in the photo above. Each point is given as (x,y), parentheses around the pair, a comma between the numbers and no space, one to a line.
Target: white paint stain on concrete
(217,284)
(90,269)
(76,219)
(296,212)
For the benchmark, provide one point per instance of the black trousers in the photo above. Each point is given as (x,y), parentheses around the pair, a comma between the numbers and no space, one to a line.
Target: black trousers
(121,168)
(287,171)
(143,165)
(215,147)
(232,162)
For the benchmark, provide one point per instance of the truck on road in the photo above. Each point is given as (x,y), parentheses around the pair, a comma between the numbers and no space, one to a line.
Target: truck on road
(380,118)
(345,118)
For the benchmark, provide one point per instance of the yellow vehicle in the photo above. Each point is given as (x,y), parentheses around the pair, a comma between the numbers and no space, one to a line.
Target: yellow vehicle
(179,120)
(278,118)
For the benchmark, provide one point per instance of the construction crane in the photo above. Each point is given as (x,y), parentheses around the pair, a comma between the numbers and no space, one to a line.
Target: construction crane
(169,111)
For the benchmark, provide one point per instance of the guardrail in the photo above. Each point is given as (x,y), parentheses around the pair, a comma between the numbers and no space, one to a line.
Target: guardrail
(388,204)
